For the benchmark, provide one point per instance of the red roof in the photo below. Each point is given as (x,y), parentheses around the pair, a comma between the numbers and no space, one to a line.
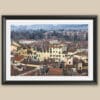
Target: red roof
(55,71)
(18,58)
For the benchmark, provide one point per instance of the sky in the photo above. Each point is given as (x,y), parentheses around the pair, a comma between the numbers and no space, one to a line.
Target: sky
(49,26)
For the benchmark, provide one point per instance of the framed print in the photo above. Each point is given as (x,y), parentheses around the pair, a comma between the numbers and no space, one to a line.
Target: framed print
(49,49)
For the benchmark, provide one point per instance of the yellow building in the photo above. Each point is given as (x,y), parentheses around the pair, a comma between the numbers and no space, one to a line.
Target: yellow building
(14,46)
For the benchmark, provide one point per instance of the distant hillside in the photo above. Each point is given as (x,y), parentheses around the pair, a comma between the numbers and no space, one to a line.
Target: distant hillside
(66,32)
(50,27)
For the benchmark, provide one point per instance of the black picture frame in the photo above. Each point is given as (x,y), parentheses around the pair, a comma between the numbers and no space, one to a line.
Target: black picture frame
(48,17)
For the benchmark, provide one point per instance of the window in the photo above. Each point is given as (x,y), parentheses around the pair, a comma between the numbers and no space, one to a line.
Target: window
(53,55)
(69,62)
(34,57)
(50,50)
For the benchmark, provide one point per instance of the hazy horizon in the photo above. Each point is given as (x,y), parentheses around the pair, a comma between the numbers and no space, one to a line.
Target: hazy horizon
(50,27)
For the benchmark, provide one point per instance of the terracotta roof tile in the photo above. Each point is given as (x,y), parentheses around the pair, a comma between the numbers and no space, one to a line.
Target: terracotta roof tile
(55,71)
(18,58)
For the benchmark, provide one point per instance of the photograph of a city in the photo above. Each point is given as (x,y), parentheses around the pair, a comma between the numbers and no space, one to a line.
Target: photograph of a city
(49,50)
